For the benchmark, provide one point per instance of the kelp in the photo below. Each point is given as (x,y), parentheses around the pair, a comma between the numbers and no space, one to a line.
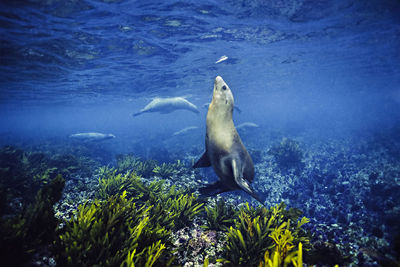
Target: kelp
(295,258)
(130,224)
(220,217)
(129,163)
(257,230)
(33,229)
(23,173)
(175,212)
(282,254)
(186,207)
(111,233)
(119,231)
(166,170)
(147,257)
(111,182)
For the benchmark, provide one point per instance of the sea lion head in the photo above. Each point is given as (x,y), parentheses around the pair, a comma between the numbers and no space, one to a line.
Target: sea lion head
(110,136)
(222,96)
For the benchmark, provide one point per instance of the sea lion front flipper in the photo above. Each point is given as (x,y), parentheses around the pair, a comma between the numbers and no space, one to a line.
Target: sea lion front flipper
(242,183)
(203,162)
(213,189)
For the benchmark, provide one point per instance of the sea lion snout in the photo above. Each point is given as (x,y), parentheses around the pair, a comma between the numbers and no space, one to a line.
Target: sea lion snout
(222,94)
(219,82)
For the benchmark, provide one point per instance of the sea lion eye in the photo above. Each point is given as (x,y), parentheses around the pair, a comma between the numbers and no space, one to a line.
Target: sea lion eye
(224,87)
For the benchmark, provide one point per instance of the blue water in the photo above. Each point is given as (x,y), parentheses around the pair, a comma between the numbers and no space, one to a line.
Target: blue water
(288,60)
(324,73)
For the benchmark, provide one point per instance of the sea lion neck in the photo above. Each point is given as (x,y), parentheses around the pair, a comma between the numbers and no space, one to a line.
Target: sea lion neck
(220,126)
(220,113)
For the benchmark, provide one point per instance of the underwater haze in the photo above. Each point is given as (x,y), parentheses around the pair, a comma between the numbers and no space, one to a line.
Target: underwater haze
(316,85)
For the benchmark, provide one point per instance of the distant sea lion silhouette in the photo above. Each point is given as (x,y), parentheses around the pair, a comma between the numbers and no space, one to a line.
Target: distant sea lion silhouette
(247,125)
(225,151)
(185,130)
(92,136)
(206,105)
(167,105)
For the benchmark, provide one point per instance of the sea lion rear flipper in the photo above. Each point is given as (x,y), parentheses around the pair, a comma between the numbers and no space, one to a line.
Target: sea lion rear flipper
(136,113)
(242,183)
(203,162)
(257,197)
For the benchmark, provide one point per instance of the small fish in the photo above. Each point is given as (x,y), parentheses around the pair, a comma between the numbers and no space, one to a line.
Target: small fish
(223,58)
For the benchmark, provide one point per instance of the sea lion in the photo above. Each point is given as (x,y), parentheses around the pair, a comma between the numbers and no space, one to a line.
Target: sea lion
(185,130)
(167,105)
(225,151)
(247,125)
(92,136)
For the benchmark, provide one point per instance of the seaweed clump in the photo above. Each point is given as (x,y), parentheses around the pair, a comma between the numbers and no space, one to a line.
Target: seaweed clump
(33,229)
(129,228)
(166,170)
(287,154)
(113,183)
(283,244)
(177,204)
(259,232)
(22,173)
(110,233)
(220,217)
(128,163)
(147,168)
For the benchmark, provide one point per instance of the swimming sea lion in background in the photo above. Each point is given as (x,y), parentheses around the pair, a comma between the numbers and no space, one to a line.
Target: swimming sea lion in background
(92,136)
(185,130)
(167,105)
(225,151)
(247,125)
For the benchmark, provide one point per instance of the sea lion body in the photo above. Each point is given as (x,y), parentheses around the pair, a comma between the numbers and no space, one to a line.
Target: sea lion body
(92,136)
(168,105)
(225,151)
(206,105)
